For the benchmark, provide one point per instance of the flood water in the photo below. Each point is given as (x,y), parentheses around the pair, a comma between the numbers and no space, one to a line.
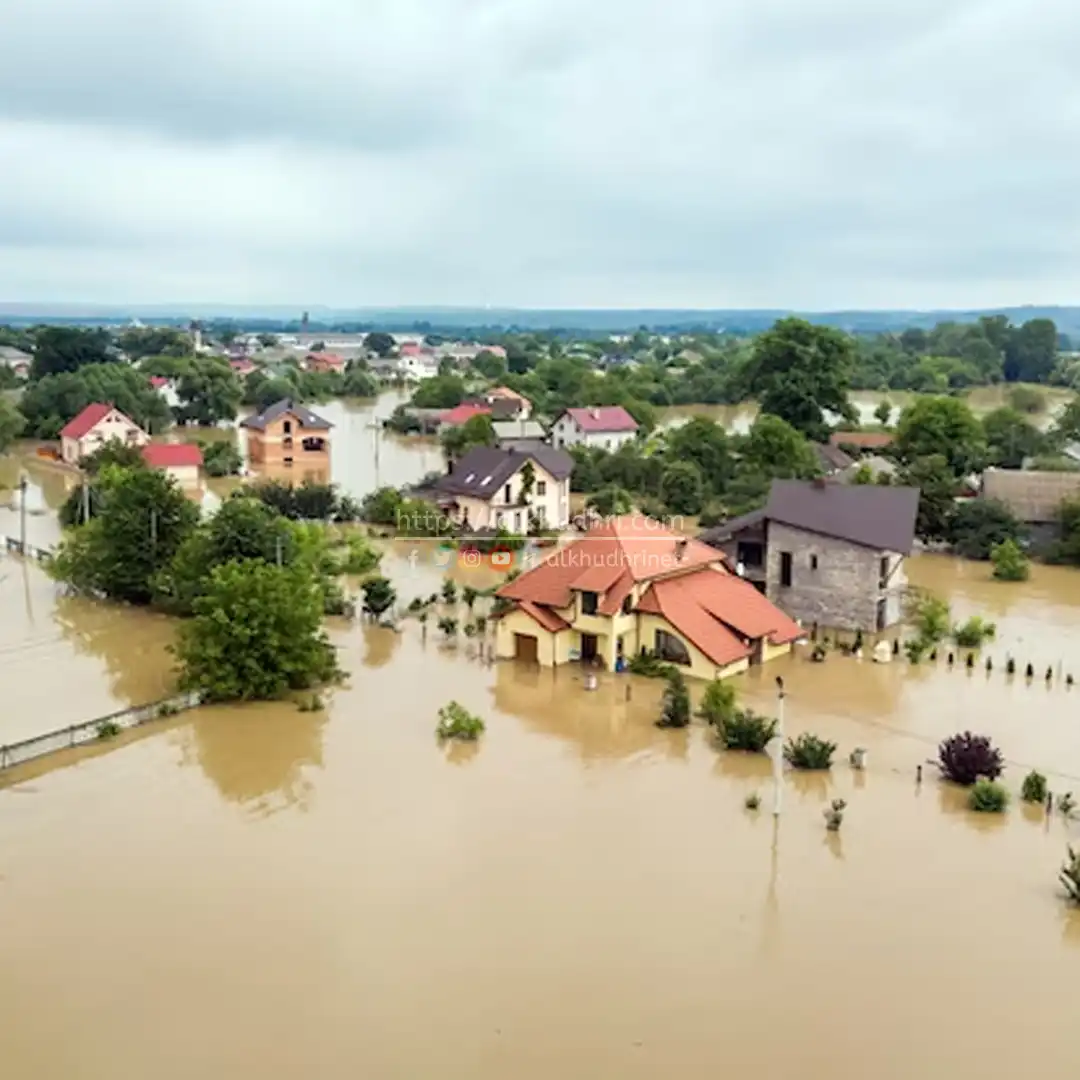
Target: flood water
(261,892)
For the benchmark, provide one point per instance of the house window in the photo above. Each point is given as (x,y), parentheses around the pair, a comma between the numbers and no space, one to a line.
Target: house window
(506,494)
(813,562)
(750,554)
(287,427)
(785,569)
(627,605)
(588,603)
(541,487)
(671,649)
(883,573)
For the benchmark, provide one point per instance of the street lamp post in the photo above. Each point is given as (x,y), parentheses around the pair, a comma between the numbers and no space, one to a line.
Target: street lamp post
(778,756)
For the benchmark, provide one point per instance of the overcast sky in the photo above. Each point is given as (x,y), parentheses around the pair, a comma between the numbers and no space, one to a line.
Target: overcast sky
(541,153)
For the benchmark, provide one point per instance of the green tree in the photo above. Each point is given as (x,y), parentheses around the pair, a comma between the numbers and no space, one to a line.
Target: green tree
(776,449)
(490,365)
(380,343)
(142,520)
(262,392)
(379,596)
(703,443)
(1010,562)
(942,426)
(1031,351)
(675,709)
(800,371)
(221,458)
(476,431)
(257,634)
(883,412)
(1067,549)
(12,424)
(140,342)
(937,486)
(67,348)
(976,526)
(611,501)
(209,392)
(1011,438)
(681,488)
(359,382)
(441,392)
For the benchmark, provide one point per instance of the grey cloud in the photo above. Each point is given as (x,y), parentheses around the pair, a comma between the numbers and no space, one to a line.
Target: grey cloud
(543,152)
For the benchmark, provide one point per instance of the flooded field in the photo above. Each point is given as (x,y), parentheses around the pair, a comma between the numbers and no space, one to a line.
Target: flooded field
(260,892)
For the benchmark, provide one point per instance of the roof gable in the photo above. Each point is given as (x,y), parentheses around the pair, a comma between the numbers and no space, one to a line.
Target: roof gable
(602,419)
(286,406)
(89,419)
(484,469)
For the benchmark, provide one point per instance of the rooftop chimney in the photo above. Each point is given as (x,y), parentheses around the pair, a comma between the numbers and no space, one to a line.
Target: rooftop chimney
(594,413)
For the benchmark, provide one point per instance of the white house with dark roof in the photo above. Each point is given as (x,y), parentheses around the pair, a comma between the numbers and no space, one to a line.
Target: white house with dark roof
(603,427)
(489,489)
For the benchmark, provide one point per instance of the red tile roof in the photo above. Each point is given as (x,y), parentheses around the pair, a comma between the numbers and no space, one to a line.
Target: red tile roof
(866,440)
(170,455)
(546,618)
(86,421)
(460,413)
(158,381)
(603,418)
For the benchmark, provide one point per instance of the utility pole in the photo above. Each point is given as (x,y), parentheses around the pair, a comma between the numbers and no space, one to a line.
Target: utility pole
(85,501)
(280,557)
(22,513)
(375,427)
(153,528)
(778,756)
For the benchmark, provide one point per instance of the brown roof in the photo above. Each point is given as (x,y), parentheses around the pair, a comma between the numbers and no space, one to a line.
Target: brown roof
(864,440)
(882,518)
(1034,497)
(544,616)
(832,458)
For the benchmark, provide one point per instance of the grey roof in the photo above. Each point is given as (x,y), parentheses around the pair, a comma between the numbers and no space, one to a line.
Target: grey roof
(519,429)
(1035,497)
(882,518)
(10,355)
(306,417)
(832,458)
(484,469)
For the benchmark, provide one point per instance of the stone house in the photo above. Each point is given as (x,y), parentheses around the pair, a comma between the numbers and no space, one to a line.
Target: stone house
(831,555)
(632,585)
(288,434)
(486,488)
(96,425)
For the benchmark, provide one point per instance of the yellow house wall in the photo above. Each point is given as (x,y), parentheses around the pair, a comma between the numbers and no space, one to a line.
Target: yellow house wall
(772,652)
(701,667)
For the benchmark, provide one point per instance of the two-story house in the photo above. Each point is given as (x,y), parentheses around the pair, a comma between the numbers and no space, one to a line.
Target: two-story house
(96,425)
(604,427)
(632,585)
(288,434)
(496,488)
(830,554)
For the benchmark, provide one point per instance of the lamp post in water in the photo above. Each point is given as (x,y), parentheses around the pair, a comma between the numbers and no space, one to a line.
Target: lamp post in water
(778,755)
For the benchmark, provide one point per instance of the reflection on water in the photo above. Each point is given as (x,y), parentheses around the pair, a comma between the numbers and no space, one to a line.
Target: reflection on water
(380,643)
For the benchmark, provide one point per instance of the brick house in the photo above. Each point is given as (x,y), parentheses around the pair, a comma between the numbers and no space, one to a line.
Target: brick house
(288,434)
(830,554)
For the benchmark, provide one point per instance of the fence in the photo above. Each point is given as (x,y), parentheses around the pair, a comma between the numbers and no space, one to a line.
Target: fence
(94,731)
(27,551)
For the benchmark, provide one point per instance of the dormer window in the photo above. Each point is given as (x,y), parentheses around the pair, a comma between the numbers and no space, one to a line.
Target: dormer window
(470,478)
(589,602)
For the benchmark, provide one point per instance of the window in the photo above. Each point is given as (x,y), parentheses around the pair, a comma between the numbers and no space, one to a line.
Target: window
(671,649)
(287,427)
(628,605)
(588,603)
(813,562)
(750,554)
(541,487)
(507,497)
(785,569)
(883,574)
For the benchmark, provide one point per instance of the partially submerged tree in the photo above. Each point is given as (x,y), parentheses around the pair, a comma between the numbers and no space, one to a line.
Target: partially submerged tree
(966,757)
(675,710)
(1010,562)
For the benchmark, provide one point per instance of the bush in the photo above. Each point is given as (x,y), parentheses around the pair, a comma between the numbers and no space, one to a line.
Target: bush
(931,619)
(1070,875)
(974,633)
(1034,789)
(456,722)
(988,797)
(448,626)
(915,649)
(221,458)
(746,730)
(752,801)
(449,591)
(676,704)
(1027,399)
(717,703)
(966,757)
(108,729)
(649,665)
(1010,562)
(808,751)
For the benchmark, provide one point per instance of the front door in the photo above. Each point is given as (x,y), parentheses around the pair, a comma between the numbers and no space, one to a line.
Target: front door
(526,648)
(589,647)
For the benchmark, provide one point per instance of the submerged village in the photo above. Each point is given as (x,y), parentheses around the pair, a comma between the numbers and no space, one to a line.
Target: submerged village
(425,638)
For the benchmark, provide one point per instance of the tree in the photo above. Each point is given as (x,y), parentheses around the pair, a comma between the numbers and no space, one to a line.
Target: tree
(1031,351)
(937,491)
(941,426)
(611,501)
(1011,438)
(140,342)
(262,393)
(209,392)
(380,343)
(883,412)
(977,525)
(675,710)
(681,488)
(221,458)
(257,634)
(476,431)
(1066,427)
(1010,562)
(379,596)
(359,382)
(1067,549)
(142,520)
(490,365)
(53,400)
(703,443)
(12,424)
(68,348)
(441,392)
(800,371)
(777,449)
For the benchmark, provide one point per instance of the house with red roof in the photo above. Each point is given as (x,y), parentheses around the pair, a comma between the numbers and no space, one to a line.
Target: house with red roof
(96,425)
(605,427)
(324,362)
(632,585)
(243,366)
(182,461)
(462,413)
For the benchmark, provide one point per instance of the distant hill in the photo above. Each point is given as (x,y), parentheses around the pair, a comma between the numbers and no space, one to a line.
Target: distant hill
(581,320)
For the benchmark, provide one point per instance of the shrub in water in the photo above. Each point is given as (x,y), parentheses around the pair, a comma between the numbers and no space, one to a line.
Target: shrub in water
(1034,788)
(1066,803)
(807,751)
(988,797)
(746,730)
(974,633)
(448,626)
(456,722)
(834,815)
(717,703)
(449,591)
(649,665)
(966,757)
(1070,875)
(752,801)
(676,705)
(108,729)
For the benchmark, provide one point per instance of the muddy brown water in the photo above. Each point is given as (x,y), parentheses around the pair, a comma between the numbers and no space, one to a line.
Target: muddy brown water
(262,892)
